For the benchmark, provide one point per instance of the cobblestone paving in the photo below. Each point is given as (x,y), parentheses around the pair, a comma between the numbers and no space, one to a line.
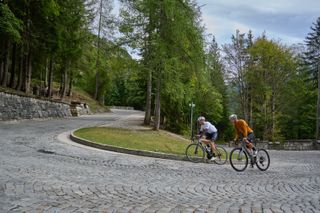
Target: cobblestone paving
(38,173)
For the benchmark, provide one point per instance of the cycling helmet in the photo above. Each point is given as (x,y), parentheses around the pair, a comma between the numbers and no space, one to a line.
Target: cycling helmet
(233,117)
(201,118)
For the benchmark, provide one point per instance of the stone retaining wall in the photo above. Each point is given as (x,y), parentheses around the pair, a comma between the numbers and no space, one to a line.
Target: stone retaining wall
(121,107)
(16,107)
(290,145)
(79,108)
(306,144)
(299,145)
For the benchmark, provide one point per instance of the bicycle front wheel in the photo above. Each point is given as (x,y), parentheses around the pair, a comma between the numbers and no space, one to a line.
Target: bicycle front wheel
(195,153)
(238,159)
(263,160)
(220,155)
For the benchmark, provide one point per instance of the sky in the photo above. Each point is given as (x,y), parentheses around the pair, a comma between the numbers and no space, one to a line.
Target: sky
(288,21)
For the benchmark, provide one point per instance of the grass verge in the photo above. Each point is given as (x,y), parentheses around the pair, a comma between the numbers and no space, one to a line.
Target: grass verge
(147,140)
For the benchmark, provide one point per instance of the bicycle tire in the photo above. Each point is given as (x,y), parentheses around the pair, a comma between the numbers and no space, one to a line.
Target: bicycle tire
(195,153)
(221,155)
(261,159)
(234,159)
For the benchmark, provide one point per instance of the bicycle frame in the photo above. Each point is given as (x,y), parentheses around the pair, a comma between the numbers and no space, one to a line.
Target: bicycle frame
(245,149)
(199,143)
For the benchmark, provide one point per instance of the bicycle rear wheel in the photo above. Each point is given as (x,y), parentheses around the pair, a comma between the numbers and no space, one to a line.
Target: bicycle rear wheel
(195,153)
(263,160)
(220,155)
(238,159)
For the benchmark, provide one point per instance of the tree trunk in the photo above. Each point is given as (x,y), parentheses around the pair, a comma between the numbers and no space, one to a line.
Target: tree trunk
(96,93)
(28,56)
(24,73)
(273,109)
(265,127)
(13,65)
(158,105)
(28,73)
(45,80)
(2,50)
(251,113)
(318,105)
(50,78)
(147,117)
(6,56)
(20,70)
(70,84)
(1,69)
(63,82)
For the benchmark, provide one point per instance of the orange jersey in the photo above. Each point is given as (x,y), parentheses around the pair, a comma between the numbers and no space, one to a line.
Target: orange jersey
(242,128)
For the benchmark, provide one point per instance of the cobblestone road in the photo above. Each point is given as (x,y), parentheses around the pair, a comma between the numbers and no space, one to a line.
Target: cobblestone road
(38,173)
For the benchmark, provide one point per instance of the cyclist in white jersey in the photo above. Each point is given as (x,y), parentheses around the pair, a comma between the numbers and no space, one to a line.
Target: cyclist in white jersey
(210,132)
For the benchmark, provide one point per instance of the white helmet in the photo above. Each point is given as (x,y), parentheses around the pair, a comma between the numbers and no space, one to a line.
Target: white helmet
(201,118)
(233,117)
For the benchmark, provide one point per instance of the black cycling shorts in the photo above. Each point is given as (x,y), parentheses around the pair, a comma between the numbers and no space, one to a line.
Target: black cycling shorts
(212,136)
(250,137)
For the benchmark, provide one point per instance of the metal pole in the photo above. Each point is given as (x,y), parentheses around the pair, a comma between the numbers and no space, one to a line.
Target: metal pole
(191,116)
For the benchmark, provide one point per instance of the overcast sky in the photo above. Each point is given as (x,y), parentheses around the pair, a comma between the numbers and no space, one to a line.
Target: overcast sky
(285,20)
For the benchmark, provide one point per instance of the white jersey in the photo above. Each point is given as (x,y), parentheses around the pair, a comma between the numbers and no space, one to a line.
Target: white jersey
(208,128)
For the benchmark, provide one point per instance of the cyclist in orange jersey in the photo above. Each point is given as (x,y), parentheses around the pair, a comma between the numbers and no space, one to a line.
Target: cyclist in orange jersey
(243,131)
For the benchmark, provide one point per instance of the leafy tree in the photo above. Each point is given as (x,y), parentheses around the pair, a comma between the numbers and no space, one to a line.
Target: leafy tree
(237,59)
(273,67)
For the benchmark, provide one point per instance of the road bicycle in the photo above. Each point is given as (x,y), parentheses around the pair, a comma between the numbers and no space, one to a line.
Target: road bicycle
(240,156)
(197,151)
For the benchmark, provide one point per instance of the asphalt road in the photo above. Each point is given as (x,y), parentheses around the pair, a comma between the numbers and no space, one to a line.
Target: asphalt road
(39,173)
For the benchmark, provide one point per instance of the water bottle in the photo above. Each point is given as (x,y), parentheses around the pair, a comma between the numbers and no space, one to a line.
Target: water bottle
(208,150)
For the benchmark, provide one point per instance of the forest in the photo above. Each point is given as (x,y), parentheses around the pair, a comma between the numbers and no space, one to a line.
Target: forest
(156,56)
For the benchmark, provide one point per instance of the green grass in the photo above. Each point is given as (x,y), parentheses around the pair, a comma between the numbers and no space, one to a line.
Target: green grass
(139,140)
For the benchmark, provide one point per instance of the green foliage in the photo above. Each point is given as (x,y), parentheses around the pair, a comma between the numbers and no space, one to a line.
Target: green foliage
(10,25)
(126,85)
(272,68)
(170,36)
(259,79)
(312,55)
(271,89)
(297,119)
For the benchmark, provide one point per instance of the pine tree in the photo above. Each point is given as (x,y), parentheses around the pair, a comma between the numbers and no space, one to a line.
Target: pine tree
(10,32)
(312,58)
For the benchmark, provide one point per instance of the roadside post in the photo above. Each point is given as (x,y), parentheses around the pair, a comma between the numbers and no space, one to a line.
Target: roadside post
(191,105)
